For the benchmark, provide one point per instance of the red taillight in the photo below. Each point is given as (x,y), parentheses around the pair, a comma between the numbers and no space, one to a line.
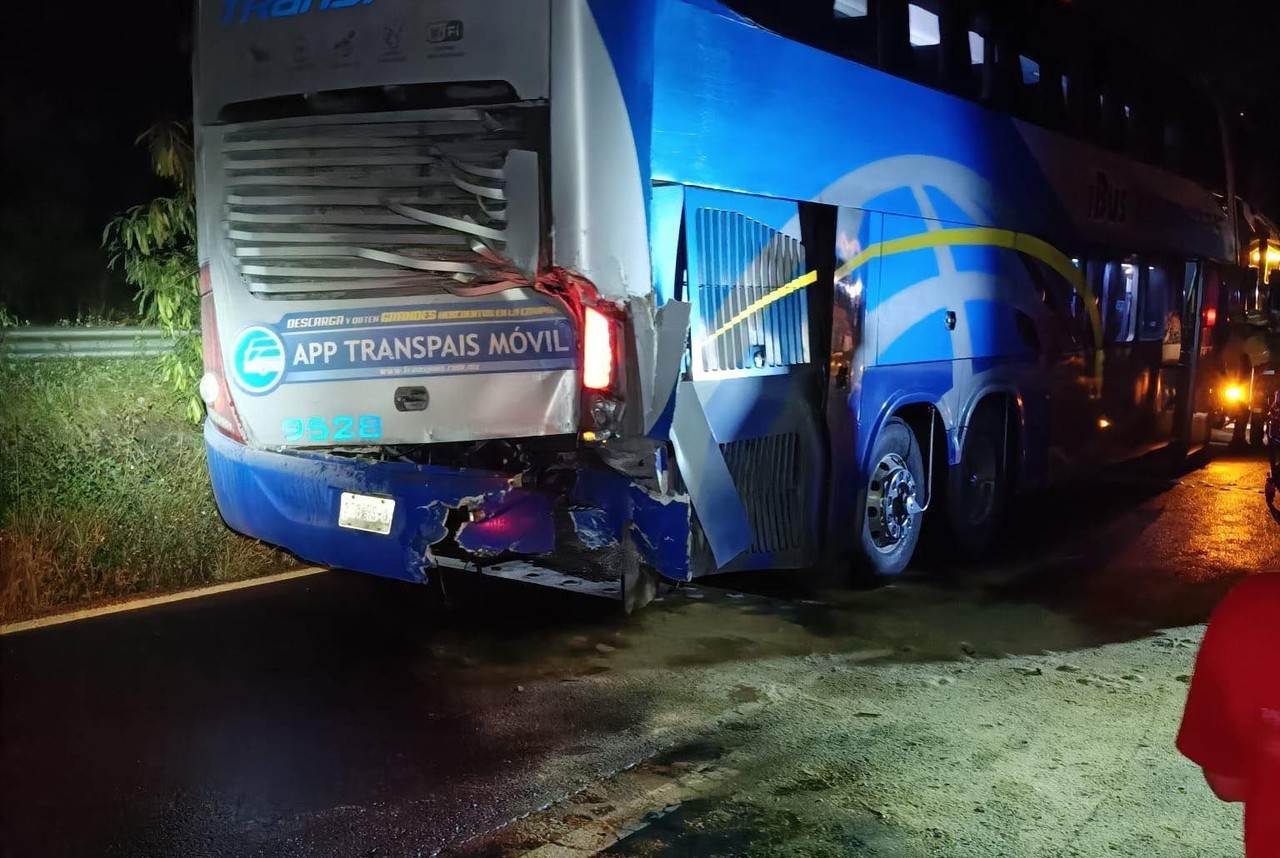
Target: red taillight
(598,350)
(213,386)
(1210,317)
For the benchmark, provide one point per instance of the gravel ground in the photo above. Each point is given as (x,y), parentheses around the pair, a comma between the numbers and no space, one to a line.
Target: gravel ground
(858,748)
(1028,708)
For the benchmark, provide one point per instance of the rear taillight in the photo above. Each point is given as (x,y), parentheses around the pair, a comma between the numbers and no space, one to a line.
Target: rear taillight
(598,343)
(213,384)
(602,373)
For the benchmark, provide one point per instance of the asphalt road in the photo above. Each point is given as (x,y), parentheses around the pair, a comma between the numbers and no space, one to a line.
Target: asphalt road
(345,715)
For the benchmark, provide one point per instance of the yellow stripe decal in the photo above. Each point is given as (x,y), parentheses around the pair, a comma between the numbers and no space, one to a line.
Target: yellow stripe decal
(760,303)
(966,236)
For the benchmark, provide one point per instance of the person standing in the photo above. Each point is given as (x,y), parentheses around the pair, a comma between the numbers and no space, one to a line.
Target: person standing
(1231,723)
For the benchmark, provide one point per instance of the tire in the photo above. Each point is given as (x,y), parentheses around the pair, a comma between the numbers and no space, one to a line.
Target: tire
(977,487)
(887,543)
(1256,436)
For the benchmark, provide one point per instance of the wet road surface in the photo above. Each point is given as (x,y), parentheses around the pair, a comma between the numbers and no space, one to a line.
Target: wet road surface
(345,715)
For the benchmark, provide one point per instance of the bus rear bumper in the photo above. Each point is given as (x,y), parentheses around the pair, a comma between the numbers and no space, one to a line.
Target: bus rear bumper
(291,499)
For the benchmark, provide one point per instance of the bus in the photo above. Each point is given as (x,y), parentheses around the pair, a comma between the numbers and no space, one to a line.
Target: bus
(599,294)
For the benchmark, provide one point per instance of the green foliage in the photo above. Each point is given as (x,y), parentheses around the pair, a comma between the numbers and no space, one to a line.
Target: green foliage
(7,319)
(155,244)
(104,490)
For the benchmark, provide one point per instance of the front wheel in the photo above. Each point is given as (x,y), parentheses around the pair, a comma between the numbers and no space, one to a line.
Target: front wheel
(891,514)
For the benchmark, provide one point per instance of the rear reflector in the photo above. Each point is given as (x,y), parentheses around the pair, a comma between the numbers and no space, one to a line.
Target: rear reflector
(213,384)
(597,350)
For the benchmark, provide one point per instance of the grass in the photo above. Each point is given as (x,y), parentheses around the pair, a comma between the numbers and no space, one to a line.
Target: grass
(103,490)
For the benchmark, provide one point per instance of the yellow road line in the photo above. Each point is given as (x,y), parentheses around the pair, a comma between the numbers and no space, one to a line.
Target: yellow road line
(152,601)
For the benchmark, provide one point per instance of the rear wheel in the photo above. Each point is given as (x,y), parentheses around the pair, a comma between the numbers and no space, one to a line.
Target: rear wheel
(978,485)
(1256,429)
(891,514)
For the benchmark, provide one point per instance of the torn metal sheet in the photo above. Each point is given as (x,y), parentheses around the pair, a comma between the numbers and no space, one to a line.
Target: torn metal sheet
(523,215)
(520,521)
(666,208)
(528,573)
(660,526)
(593,528)
(666,340)
(711,487)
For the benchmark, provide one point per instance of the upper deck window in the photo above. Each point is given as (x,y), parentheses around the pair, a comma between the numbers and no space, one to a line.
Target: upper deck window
(977,48)
(850,8)
(923,26)
(1030,70)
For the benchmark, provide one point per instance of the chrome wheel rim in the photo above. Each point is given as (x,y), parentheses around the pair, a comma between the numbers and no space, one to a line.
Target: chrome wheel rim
(889,518)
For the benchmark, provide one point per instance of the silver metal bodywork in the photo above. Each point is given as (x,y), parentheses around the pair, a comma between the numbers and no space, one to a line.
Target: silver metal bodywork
(349,250)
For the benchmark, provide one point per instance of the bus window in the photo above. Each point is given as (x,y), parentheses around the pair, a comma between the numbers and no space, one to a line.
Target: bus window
(1117,283)
(1160,291)
(1066,306)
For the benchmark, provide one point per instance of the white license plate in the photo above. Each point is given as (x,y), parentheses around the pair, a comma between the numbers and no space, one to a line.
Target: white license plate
(365,512)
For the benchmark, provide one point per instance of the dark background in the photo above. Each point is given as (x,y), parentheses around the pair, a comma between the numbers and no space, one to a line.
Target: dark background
(81,80)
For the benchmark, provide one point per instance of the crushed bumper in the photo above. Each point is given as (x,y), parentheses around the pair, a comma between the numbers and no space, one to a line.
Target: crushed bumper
(291,499)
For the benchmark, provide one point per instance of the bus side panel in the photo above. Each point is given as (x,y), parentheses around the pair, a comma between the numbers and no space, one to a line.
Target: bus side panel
(755,375)
(972,309)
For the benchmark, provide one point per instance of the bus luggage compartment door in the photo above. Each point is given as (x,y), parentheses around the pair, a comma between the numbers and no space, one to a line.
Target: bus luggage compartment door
(753,373)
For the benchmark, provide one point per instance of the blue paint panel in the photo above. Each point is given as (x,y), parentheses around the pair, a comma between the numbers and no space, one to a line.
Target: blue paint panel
(926,340)
(666,211)
(799,140)
(662,426)
(902,270)
(899,201)
(291,500)
(661,529)
(885,389)
(946,209)
(977,258)
(993,331)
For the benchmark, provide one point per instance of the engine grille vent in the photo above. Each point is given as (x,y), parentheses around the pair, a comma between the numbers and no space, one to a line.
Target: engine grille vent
(339,205)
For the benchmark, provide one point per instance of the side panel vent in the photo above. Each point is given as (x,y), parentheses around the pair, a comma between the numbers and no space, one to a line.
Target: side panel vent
(741,262)
(767,473)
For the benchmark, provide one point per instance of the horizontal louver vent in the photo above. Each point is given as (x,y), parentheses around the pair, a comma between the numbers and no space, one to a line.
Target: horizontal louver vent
(345,205)
(741,262)
(766,473)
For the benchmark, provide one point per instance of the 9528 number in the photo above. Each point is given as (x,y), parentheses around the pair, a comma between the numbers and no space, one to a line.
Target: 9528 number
(343,427)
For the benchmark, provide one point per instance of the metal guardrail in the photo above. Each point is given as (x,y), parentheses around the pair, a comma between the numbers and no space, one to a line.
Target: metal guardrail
(104,342)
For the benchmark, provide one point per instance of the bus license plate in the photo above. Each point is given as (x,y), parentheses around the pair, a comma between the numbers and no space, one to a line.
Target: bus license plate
(367,513)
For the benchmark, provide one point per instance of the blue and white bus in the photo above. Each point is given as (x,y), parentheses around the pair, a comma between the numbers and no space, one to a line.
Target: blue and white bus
(598,293)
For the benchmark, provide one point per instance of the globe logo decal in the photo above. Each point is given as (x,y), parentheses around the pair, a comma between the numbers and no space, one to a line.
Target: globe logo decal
(257,360)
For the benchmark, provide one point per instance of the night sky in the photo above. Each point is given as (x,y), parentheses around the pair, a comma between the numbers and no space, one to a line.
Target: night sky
(81,80)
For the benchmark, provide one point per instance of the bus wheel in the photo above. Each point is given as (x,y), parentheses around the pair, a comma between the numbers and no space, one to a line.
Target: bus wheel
(891,510)
(1256,430)
(977,485)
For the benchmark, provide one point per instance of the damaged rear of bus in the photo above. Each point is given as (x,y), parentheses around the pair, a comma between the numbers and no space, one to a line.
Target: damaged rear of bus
(430,334)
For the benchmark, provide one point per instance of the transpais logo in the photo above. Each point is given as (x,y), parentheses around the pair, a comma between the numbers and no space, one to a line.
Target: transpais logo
(244,11)
(257,360)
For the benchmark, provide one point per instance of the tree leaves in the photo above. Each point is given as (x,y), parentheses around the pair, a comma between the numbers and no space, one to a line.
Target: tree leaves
(155,243)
